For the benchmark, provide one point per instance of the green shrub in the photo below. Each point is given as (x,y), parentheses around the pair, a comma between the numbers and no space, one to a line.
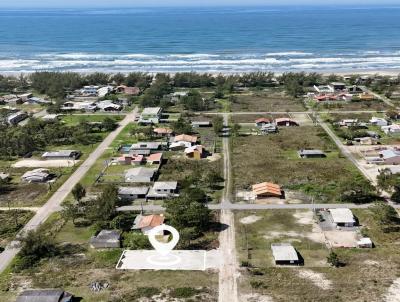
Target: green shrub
(184,292)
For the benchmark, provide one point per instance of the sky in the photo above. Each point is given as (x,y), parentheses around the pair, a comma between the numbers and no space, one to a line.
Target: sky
(148,3)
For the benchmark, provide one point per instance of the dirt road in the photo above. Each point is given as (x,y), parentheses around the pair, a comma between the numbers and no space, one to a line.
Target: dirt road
(55,201)
(228,273)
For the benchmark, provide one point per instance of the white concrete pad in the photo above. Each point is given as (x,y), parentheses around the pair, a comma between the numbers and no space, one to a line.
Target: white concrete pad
(197,260)
(51,163)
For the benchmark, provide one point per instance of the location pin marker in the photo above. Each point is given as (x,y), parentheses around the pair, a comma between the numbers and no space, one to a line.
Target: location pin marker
(163,248)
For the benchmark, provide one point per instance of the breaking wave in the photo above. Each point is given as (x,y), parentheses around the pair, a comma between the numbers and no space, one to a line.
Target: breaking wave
(202,62)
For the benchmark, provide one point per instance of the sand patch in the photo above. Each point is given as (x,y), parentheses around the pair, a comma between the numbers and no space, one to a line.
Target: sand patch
(317,279)
(304,217)
(255,298)
(371,262)
(393,294)
(341,238)
(313,236)
(250,219)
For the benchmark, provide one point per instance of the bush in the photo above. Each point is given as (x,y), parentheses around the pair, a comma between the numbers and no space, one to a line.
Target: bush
(146,292)
(136,241)
(184,292)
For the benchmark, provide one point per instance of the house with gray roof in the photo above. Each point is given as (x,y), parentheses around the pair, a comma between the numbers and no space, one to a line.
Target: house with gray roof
(44,295)
(147,146)
(285,254)
(163,189)
(303,153)
(62,154)
(106,239)
(150,115)
(140,174)
(15,118)
(36,175)
(132,193)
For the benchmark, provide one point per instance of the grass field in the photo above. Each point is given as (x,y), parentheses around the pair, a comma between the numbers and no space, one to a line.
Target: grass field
(73,120)
(11,222)
(79,266)
(274,158)
(367,275)
(350,106)
(266,100)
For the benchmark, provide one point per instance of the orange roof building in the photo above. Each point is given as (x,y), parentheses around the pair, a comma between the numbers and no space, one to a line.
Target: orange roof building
(146,223)
(267,189)
(163,131)
(185,138)
(262,120)
(154,158)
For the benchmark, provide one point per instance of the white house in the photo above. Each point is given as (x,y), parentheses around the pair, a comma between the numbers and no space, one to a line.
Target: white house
(342,217)
(394,128)
(378,121)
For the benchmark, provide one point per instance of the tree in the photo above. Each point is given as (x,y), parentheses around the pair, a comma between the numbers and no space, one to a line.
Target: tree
(70,211)
(333,259)
(396,194)
(193,101)
(384,214)
(109,124)
(136,241)
(181,126)
(35,245)
(102,209)
(218,124)
(184,213)
(235,129)
(78,191)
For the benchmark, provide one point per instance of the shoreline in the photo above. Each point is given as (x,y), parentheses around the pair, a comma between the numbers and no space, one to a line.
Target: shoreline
(340,72)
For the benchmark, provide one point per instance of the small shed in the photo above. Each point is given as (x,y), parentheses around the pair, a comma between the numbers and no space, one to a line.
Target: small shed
(311,153)
(285,254)
(343,217)
(44,295)
(106,239)
(365,242)
(132,193)
(267,189)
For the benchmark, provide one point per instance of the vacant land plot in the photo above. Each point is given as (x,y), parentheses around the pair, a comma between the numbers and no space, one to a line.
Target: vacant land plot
(11,222)
(271,100)
(368,274)
(73,120)
(350,106)
(274,158)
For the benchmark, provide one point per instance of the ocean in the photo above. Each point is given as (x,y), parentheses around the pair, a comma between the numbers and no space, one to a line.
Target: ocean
(235,39)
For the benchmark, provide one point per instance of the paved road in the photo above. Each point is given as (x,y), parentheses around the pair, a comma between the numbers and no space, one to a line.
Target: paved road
(54,203)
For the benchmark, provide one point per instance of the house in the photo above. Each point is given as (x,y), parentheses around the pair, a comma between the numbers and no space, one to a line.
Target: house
(394,128)
(36,175)
(44,295)
(162,132)
(37,100)
(390,156)
(284,121)
(314,153)
(355,89)
(11,99)
(378,121)
(131,159)
(262,122)
(195,152)
(267,189)
(201,124)
(176,146)
(89,90)
(185,138)
(108,105)
(154,159)
(372,134)
(128,90)
(342,217)
(338,86)
(348,122)
(146,223)
(268,128)
(103,91)
(365,96)
(106,239)
(325,97)
(82,106)
(163,189)
(324,89)
(15,118)
(366,140)
(150,115)
(140,174)
(25,96)
(152,146)
(62,154)
(285,254)
(344,97)
(132,193)
(365,242)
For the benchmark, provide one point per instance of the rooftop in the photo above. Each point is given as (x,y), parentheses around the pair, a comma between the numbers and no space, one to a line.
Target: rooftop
(267,187)
(342,215)
(142,221)
(284,252)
